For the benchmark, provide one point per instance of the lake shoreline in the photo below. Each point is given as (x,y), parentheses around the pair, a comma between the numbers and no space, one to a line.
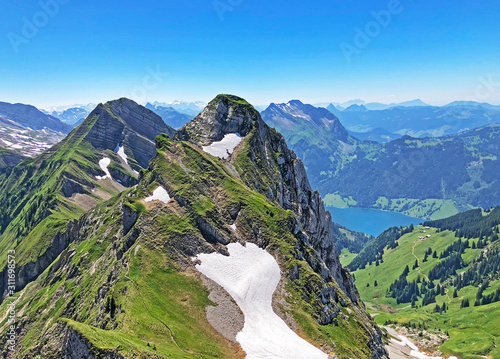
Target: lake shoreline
(371,221)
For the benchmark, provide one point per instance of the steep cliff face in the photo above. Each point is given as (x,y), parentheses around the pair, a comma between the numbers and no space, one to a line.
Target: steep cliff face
(124,123)
(269,167)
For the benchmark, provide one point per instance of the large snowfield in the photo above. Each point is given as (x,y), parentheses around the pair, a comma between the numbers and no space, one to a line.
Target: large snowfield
(250,275)
(224,147)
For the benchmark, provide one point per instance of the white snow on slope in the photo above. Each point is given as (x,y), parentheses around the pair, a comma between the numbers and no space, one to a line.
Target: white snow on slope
(104,163)
(233,227)
(250,275)
(120,151)
(159,194)
(224,147)
(415,352)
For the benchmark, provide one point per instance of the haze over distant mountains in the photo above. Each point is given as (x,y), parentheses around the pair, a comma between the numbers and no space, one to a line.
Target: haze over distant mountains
(413,118)
(71,115)
(422,177)
(185,107)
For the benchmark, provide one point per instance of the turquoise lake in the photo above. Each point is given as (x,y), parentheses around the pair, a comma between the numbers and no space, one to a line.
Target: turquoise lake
(370,221)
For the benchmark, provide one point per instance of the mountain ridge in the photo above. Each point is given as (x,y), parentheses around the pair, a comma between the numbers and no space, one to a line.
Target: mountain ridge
(132,244)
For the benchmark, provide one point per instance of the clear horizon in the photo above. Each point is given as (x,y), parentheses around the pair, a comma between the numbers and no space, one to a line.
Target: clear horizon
(60,52)
(316,104)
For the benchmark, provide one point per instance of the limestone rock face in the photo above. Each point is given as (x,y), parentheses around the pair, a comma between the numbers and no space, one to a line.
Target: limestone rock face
(225,114)
(123,122)
(272,159)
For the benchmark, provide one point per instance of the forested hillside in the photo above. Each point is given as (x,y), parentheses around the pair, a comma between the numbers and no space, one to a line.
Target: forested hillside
(438,280)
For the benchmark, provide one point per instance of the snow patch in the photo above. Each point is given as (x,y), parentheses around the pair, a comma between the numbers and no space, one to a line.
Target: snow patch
(159,194)
(415,352)
(233,227)
(250,275)
(104,163)
(224,147)
(120,151)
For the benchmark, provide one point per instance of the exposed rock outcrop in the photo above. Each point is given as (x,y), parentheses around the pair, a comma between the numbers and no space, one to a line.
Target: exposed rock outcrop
(123,122)
(66,343)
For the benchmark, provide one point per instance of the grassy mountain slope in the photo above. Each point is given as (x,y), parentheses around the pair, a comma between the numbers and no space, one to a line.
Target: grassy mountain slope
(472,330)
(42,197)
(126,286)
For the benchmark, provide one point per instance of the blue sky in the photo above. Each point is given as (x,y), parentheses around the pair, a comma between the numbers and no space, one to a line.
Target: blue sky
(265,51)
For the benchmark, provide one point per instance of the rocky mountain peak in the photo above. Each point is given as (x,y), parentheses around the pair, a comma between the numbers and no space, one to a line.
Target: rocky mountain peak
(124,122)
(223,115)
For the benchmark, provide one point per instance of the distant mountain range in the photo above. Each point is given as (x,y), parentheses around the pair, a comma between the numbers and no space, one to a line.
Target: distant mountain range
(30,116)
(422,177)
(185,107)
(72,115)
(415,118)
(171,117)
(27,131)
(373,105)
